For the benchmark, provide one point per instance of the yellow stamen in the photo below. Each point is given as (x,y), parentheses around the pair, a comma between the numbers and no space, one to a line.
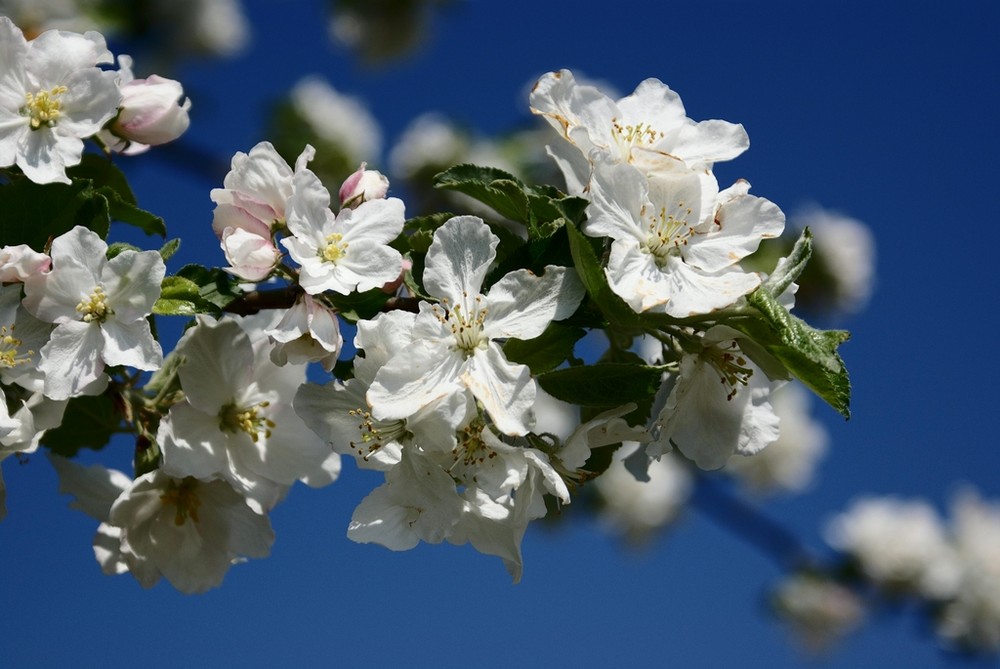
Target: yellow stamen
(44,107)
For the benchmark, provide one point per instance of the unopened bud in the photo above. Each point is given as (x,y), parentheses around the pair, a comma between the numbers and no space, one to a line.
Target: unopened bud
(362,186)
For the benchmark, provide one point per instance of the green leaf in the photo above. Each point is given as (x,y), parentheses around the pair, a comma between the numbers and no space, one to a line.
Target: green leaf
(602,385)
(169,249)
(33,213)
(588,266)
(214,285)
(792,268)
(810,354)
(357,306)
(118,247)
(89,422)
(546,351)
(126,212)
(182,297)
(418,232)
(500,190)
(110,183)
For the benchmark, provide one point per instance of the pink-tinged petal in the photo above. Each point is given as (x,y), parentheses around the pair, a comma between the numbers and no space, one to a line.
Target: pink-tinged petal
(53,297)
(459,258)
(243,214)
(413,379)
(505,389)
(192,443)
(263,174)
(71,360)
(218,364)
(522,305)
(130,344)
(251,256)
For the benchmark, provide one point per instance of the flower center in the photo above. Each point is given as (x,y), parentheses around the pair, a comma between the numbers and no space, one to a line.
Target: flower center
(95,307)
(375,433)
(246,419)
(9,344)
(335,248)
(467,328)
(471,450)
(43,107)
(731,366)
(182,495)
(628,136)
(667,232)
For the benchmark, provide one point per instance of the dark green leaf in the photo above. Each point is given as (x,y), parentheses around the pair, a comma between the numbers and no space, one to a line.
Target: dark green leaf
(33,213)
(546,351)
(500,190)
(589,267)
(214,285)
(602,385)
(89,422)
(356,306)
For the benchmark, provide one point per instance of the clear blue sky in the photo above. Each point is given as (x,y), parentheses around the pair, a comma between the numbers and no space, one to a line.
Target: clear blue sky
(886,114)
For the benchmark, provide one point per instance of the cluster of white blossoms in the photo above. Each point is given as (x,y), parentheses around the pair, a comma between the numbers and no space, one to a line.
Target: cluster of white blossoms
(457,320)
(55,93)
(676,242)
(905,548)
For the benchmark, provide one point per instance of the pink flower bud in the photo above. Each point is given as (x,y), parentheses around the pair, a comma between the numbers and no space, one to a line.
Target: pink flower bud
(19,262)
(362,186)
(252,257)
(153,111)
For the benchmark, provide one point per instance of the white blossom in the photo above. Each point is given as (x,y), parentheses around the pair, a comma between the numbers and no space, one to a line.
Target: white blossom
(648,129)
(52,97)
(457,341)
(900,544)
(237,422)
(251,206)
(719,404)
(677,243)
(971,618)
(343,253)
(99,307)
